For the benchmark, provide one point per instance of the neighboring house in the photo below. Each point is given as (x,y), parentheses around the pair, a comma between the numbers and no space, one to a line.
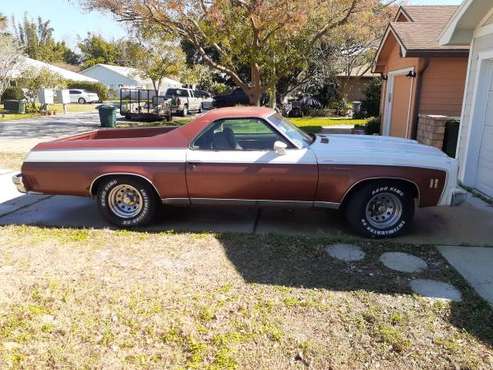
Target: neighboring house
(473,23)
(354,83)
(28,63)
(421,77)
(116,77)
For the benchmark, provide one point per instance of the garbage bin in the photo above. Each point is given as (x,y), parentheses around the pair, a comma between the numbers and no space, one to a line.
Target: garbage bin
(107,115)
(15,106)
(451,138)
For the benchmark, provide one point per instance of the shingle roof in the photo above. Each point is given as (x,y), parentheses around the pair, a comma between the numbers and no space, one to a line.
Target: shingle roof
(421,36)
(430,14)
(422,33)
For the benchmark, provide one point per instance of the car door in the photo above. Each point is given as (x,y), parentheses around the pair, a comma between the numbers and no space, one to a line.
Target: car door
(233,160)
(74,96)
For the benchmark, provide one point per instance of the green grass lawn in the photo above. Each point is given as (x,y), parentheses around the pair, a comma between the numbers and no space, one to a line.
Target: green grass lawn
(58,108)
(308,124)
(314,124)
(85,298)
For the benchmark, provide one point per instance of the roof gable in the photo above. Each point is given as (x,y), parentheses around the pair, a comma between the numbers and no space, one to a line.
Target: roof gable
(417,29)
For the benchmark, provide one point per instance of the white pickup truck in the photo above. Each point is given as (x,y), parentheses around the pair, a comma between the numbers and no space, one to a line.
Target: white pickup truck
(183,101)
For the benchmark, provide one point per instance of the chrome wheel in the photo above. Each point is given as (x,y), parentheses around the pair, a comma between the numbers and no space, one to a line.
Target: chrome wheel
(384,210)
(125,201)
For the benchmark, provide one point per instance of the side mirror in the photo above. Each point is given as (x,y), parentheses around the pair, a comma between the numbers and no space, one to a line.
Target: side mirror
(280,147)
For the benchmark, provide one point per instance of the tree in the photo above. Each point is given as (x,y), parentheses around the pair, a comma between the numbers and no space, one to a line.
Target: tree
(32,80)
(3,22)
(10,57)
(270,37)
(95,49)
(36,38)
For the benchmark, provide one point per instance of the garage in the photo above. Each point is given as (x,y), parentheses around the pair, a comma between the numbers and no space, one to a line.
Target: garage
(485,163)
(473,23)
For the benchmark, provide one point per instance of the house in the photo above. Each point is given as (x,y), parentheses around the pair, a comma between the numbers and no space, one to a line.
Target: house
(28,63)
(472,23)
(354,82)
(116,77)
(423,80)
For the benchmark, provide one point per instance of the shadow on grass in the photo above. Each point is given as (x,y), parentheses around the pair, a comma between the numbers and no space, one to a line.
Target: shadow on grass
(300,260)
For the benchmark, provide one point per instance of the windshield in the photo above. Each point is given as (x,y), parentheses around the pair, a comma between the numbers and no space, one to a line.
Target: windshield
(296,135)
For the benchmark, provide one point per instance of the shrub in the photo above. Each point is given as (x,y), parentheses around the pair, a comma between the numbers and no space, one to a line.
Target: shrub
(12,93)
(371,104)
(373,126)
(96,87)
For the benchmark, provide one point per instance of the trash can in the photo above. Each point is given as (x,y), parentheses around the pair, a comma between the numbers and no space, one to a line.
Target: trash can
(451,138)
(107,115)
(15,106)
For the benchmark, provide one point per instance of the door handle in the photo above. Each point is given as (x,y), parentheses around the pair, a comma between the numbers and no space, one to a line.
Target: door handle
(193,164)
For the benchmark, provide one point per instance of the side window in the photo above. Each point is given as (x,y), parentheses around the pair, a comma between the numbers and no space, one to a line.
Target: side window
(239,134)
(74,92)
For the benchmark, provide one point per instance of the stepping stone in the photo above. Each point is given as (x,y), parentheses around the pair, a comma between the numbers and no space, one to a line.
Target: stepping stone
(403,262)
(436,289)
(345,252)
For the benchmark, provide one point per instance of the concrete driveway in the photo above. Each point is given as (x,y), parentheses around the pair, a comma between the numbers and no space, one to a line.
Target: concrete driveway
(469,224)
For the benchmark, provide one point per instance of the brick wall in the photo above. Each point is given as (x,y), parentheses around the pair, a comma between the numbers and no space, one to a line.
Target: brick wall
(431,129)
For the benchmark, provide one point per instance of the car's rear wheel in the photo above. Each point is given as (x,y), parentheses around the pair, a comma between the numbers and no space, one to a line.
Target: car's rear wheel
(127,201)
(381,209)
(82,101)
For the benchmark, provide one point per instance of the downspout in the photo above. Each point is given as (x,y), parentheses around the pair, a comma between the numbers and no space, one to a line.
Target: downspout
(417,100)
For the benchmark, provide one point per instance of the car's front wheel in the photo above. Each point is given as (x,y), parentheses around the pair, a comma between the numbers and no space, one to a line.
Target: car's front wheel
(127,201)
(381,209)
(82,101)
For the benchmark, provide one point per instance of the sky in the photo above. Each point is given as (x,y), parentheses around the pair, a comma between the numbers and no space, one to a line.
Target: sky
(71,22)
(67,18)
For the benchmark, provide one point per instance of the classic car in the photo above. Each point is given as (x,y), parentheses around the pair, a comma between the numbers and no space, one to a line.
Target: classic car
(245,156)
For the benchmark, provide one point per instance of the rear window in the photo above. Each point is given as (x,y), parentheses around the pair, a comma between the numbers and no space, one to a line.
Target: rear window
(176,92)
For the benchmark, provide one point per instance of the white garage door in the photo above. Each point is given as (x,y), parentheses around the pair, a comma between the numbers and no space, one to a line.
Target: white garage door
(485,164)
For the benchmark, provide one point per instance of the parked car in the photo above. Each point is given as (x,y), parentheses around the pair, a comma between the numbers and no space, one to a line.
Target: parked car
(245,155)
(81,96)
(183,101)
(236,97)
(206,99)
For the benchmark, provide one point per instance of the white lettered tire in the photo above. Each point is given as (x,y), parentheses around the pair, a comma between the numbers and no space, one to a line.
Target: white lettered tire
(127,201)
(382,209)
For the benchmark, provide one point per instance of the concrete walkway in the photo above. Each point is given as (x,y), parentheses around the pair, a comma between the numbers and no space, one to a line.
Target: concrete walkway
(475,264)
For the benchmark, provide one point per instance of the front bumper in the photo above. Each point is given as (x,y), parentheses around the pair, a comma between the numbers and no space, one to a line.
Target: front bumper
(19,184)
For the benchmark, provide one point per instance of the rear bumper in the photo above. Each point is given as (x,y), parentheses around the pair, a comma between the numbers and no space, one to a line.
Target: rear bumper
(459,196)
(19,183)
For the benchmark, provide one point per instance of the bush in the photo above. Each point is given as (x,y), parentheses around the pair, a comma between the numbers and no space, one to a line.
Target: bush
(96,87)
(12,93)
(371,104)
(373,126)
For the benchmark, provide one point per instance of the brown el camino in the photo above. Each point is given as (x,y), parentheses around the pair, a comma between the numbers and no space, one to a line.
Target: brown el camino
(245,156)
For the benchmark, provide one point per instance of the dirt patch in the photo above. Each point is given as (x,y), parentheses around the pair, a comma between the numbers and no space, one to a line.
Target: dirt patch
(103,298)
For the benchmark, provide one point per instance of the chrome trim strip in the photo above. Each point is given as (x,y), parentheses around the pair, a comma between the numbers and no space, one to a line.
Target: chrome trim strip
(263,202)
(121,174)
(329,205)
(176,201)
(251,202)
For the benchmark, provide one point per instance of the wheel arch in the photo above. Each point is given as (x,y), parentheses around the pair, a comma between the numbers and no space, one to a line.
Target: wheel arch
(359,184)
(97,180)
